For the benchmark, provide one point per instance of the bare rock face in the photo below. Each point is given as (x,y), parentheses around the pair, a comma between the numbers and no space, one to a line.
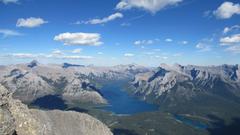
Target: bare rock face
(33,80)
(70,123)
(186,81)
(79,89)
(16,118)
(7,126)
(26,86)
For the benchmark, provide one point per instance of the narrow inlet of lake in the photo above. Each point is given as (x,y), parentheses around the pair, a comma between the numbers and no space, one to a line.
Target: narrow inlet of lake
(120,102)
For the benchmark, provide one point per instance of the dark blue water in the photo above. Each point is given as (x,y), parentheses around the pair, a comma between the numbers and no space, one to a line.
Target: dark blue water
(192,123)
(50,102)
(120,102)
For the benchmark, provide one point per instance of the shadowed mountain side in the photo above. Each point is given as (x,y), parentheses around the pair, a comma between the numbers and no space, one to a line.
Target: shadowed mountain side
(220,127)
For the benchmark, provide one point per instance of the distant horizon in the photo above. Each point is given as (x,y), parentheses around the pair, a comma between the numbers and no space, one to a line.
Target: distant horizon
(159,64)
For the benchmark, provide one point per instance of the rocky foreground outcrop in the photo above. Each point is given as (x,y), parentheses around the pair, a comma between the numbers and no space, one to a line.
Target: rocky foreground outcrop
(17,119)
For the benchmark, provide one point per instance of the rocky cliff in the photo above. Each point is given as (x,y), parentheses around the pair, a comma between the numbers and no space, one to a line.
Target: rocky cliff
(167,83)
(17,119)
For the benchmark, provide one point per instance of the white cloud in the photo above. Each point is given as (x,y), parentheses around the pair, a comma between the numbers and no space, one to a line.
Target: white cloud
(68,56)
(30,22)
(128,55)
(9,1)
(164,57)
(77,50)
(203,47)
(48,56)
(143,42)
(207,13)
(7,33)
(227,10)
(150,5)
(100,53)
(229,29)
(184,42)
(103,20)
(149,53)
(233,49)
(87,39)
(230,40)
(57,52)
(76,57)
(168,40)
(22,55)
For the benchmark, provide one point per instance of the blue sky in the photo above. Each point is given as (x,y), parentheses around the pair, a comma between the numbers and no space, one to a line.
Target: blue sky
(111,32)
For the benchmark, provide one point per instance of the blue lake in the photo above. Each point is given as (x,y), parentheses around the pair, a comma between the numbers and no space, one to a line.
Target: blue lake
(120,102)
(192,123)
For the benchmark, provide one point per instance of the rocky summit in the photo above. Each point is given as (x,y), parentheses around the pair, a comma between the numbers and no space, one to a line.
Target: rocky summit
(17,119)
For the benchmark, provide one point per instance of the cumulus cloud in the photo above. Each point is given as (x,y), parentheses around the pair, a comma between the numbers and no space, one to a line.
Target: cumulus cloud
(103,20)
(128,55)
(9,1)
(230,40)
(184,42)
(152,6)
(233,49)
(168,40)
(203,47)
(227,10)
(232,28)
(164,57)
(77,50)
(143,42)
(100,53)
(76,57)
(30,22)
(7,33)
(57,52)
(87,39)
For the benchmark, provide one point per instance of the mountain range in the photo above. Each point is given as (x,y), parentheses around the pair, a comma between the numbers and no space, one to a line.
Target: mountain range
(196,91)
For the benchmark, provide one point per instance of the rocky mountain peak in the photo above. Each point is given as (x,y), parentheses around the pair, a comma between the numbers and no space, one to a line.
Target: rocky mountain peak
(67,65)
(33,64)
